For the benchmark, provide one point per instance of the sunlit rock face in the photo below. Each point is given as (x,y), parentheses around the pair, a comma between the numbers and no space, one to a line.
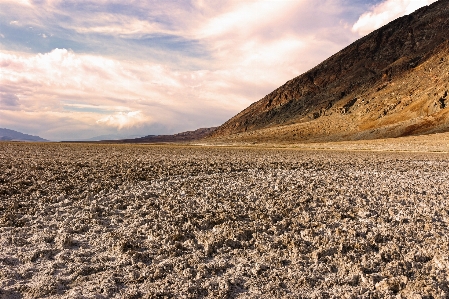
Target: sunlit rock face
(392,82)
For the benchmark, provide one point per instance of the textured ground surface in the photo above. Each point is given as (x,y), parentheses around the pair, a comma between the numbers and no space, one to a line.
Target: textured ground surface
(105,221)
(431,143)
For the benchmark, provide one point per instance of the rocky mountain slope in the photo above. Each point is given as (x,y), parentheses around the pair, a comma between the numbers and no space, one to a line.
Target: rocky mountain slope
(11,135)
(392,82)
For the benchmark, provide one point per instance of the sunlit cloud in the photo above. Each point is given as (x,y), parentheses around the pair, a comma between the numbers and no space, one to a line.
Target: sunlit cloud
(17,2)
(242,19)
(118,25)
(386,12)
(105,92)
(123,119)
(76,69)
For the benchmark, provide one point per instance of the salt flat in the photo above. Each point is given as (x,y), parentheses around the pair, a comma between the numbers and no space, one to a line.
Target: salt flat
(139,221)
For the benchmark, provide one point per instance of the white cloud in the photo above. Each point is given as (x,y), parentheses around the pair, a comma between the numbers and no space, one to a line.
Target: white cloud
(99,91)
(122,120)
(23,2)
(385,12)
(247,16)
(248,48)
(117,25)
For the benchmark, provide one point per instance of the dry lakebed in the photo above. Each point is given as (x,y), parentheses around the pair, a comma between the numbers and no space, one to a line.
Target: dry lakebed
(141,221)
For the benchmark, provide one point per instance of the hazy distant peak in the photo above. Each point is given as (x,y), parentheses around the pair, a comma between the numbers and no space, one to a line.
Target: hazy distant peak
(11,135)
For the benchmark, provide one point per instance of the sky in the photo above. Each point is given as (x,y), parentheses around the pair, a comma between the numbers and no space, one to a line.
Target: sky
(76,69)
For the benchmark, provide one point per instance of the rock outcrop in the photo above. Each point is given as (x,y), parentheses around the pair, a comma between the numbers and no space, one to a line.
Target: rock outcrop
(392,82)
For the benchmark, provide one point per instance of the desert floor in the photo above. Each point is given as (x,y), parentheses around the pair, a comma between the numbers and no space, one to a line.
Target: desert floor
(141,221)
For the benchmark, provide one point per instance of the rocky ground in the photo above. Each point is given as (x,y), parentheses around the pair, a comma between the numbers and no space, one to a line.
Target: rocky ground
(429,143)
(122,221)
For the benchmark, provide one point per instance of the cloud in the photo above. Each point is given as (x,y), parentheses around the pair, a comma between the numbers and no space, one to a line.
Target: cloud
(104,92)
(180,64)
(242,20)
(8,101)
(124,26)
(46,124)
(123,119)
(19,2)
(385,12)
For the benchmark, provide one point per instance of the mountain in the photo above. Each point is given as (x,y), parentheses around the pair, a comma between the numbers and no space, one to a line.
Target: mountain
(187,136)
(392,82)
(111,137)
(11,135)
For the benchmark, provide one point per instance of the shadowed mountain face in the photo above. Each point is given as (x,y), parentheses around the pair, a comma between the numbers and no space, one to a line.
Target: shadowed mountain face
(392,82)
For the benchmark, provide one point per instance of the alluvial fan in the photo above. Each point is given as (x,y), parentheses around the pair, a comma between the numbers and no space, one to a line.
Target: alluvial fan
(118,221)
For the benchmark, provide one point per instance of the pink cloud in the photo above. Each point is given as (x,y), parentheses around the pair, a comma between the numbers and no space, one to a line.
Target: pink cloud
(9,101)
(123,119)
(251,47)
(386,12)
(106,92)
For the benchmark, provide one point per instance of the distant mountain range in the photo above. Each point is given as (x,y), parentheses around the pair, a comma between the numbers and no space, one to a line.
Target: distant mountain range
(187,136)
(393,82)
(11,135)
(112,137)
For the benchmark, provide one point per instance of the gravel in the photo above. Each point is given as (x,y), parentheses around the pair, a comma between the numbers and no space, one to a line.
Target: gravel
(137,221)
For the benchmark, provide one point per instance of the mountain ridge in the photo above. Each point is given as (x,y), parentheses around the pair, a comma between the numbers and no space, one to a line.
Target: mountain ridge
(187,136)
(11,135)
(345,97)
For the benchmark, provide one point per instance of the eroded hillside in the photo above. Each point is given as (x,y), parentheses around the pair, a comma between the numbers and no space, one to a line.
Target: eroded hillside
(393,82)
